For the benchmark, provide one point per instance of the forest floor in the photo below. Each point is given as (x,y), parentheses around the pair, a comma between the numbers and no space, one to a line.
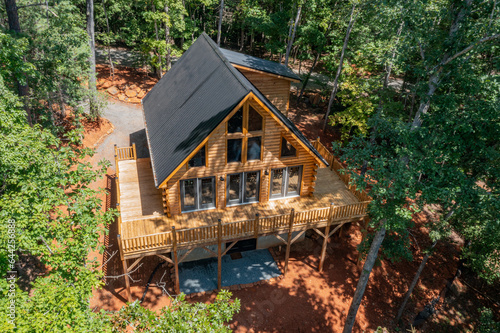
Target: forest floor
(305,300)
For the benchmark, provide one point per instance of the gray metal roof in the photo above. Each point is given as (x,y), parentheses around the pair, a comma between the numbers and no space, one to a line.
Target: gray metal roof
(259,64)
(191,100)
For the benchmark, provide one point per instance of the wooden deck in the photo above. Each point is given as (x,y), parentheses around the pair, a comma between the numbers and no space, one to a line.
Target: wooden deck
(144,230)
(142,209)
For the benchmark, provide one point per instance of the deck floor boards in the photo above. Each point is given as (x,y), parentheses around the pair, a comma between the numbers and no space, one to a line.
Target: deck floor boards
(142,209)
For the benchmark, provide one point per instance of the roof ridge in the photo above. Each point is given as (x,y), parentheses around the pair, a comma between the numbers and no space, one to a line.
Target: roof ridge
(224,60)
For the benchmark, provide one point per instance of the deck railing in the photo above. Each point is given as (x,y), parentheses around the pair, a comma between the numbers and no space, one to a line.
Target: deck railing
(253,228)
(260,226)
(336,166)
(125,153)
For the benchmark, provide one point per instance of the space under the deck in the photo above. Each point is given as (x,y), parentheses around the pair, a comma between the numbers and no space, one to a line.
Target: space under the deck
(142,209)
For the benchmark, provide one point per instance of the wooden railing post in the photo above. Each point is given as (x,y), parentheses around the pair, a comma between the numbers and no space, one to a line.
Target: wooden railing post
(256,226)
(219,254)
(134,151)
(176,261)
(325,239)
(289,240)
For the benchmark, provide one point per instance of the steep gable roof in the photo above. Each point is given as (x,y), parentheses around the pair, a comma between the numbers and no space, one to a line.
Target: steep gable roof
(262,65)
(191,100)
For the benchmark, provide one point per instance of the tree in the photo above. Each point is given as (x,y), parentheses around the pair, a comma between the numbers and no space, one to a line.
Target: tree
(220,21)
(339,68)
(291,36)
(94,109)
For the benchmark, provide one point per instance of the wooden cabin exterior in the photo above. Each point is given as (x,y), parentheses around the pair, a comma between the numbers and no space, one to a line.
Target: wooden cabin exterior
(226,165)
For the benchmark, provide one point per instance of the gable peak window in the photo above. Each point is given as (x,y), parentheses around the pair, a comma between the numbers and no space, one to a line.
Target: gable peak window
(199,159)
(235,123)
(254,120)
(287,149)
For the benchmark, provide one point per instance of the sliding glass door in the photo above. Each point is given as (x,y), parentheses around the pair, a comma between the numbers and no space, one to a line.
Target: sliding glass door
(285,182)
(243,188)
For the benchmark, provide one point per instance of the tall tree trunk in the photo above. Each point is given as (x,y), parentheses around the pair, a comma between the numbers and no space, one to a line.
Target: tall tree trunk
(363,279)
(221,12)
(414,282)
(167,39)
(292,37)
(92,74)
(22,89)
(391,62)
(158,69)
(339,69)
(111,66)
(242,36)
(182,18)
(308,77)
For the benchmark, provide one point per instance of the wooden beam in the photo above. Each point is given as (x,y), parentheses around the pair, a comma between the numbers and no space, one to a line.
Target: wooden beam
(209,251)
(256,225)
(229,248)
(219,256)
(127,282)
(280,238)
(135,263)
(181,259)
(167,259)
(319,233)
(336,228)
(298,236)
(176,262)
(289,242)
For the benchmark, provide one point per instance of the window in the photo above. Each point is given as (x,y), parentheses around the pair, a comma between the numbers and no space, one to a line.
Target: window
(285,182)
(244,135)
(243,188)
(197,194)
(198,160)
(287,149)
(254,148)
(254,120)
(234,150)
(235,124)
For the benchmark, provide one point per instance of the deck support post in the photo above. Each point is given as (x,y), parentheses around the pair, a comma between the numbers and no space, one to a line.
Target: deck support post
(127,282)
(289,240)
(176,261)
(219,254)
(325,238)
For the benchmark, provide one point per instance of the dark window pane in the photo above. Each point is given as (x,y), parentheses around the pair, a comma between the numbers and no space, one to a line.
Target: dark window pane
(234,150)
(198,159)
(207,192)
(251,186)
(189,193)
(234,186)
(293,180)
(253,151)
(235,124)
(277,181)
(254,120)
(287,149)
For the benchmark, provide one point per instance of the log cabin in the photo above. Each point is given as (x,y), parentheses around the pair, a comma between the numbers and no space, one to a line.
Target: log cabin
(227,169)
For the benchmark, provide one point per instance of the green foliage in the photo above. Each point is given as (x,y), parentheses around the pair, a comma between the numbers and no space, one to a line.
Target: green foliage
(487,323)
(180,316)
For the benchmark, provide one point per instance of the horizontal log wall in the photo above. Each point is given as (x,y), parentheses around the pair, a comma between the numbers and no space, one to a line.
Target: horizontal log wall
(217,166)
(275,89)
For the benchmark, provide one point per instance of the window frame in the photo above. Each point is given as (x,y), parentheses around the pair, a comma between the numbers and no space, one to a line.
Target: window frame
(243,200)
(245,134)
(205,146)
(197,195)
(285,183)
(281,148)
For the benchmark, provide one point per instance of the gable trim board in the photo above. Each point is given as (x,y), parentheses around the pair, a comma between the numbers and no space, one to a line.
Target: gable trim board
(192,100)
(266,73)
